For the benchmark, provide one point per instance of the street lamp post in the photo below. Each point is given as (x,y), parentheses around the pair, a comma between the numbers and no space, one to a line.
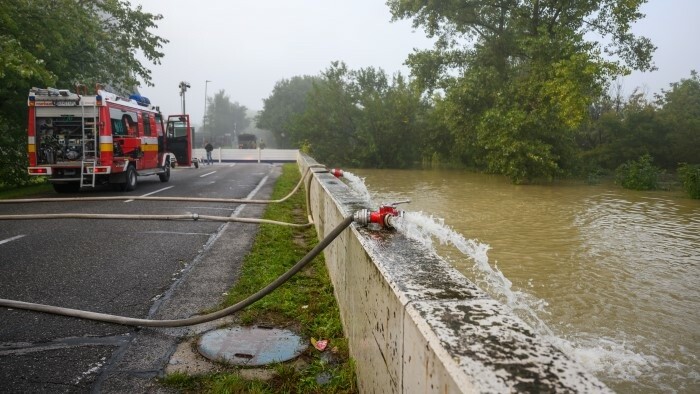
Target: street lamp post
(183,88)
(204,118)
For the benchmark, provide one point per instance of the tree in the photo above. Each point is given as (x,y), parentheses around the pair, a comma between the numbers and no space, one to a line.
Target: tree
(360,118)
(327,125)
(224,117)
(391,121)
(519,76)
(64,42)
(625,132)
(680,112)
(286,102)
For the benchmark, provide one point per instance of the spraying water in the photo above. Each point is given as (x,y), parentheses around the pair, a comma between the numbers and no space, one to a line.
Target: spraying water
(357,184)
(423,228)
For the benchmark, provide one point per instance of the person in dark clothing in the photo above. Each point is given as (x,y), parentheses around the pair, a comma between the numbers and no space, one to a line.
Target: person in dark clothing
(209,148)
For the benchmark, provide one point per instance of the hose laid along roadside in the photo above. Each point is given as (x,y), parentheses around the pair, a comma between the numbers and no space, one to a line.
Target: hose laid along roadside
(191,216)
(128,321)
(151,198)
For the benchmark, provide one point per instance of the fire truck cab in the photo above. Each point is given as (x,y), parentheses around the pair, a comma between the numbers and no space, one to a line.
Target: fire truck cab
(80,140)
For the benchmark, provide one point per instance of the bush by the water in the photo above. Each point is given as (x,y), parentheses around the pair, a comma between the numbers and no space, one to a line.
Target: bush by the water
(638,174)
(690,177)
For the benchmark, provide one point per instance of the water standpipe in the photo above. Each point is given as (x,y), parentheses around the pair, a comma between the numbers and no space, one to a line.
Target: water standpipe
(336,172)
(384,216)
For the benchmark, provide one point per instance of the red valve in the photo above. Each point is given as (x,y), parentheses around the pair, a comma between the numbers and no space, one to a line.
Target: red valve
(383,217)
(337,172)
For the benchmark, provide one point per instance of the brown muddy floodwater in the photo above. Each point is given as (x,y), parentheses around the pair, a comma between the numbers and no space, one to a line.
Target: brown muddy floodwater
(611,276)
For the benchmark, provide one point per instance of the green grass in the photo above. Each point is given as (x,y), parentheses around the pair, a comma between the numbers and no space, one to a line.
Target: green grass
(304,304)
(25,191)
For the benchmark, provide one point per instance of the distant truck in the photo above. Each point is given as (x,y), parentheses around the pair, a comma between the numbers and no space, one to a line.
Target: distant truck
(247,141)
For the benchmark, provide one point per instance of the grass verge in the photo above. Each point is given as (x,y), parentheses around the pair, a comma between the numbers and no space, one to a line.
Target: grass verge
(24,191)
(305,304)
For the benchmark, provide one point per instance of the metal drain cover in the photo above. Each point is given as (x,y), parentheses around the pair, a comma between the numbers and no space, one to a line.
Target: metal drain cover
(251,345)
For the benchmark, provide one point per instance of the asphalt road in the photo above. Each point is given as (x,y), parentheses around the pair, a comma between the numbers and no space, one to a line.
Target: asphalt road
(143,269)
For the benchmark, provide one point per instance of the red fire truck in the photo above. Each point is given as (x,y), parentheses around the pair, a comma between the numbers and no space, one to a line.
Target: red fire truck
(79,140)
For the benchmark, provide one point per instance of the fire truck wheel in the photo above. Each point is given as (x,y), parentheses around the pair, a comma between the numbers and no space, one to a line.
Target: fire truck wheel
(66,187)
(165,176)
(130,184)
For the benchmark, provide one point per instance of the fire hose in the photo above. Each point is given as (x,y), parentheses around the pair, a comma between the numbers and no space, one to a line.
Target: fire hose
(384,217)
(192,216)
(129,321)
(151,198)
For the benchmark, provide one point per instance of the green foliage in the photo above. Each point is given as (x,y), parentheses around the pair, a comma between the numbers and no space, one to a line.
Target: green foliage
(638,174)
(519,76)
(619,130)
(86,42)
(231,383)
(329,119)
(631,133)
(183,382)
(500,28)
(680,118)
(390,124)
(522,127)
(305,147)
(361,118)
(690,177)
(13,156)
(286,102)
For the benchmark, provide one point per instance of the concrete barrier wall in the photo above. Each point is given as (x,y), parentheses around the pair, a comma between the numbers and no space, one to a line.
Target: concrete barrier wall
(221,155)
(415,324)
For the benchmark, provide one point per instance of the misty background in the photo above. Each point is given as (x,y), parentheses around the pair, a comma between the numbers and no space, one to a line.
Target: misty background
(244,48)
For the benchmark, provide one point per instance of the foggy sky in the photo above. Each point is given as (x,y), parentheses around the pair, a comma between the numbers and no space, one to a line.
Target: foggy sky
(245,47)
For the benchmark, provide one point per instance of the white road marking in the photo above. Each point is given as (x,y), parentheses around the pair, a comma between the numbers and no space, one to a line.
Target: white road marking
(207,174)
(157,191)
(4,241)
(249,196)
(173,232)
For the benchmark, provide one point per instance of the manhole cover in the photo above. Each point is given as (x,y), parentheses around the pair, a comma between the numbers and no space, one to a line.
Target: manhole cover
(251,345)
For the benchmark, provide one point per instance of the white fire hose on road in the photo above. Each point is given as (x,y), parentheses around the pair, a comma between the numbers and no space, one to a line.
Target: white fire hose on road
(102,317)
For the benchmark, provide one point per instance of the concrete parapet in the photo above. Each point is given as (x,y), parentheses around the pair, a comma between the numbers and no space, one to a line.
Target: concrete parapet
(225,155)
(417,325)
